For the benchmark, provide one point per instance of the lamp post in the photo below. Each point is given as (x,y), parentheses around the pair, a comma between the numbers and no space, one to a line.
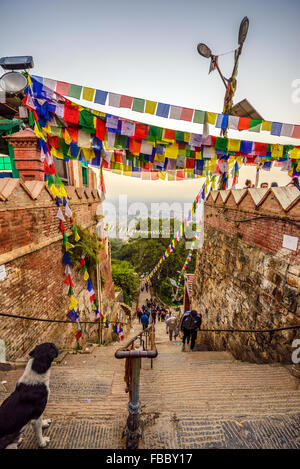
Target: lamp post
(230,84)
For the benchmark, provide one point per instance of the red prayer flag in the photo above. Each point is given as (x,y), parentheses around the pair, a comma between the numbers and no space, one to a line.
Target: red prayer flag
(62,226)
(187,114)
(134,145)
(244,123)
(296,132)
(141,131)
(260,148)
(179,174)
(53,141)
(68,280)
(73,133)
(126,101)
(62,88)
(100,129)
(169,134)
(71,114)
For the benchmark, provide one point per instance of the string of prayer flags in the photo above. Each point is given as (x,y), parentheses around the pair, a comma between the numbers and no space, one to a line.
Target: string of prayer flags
(178,236)
(42,85)
(138,150)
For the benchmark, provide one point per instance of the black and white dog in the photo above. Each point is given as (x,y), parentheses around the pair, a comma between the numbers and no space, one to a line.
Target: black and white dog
(28,401)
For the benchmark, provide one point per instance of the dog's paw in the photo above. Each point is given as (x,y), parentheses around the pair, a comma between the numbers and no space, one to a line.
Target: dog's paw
(46,423)
(44,442)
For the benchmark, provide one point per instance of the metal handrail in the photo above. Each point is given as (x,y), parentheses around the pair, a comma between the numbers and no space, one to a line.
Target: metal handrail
(132,378)
(125,352)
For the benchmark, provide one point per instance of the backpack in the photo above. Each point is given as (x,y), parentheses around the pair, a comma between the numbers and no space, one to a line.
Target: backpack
(191,323)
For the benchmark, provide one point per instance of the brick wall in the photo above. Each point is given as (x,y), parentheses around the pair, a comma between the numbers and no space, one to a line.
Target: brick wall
(244,276)
(31,253)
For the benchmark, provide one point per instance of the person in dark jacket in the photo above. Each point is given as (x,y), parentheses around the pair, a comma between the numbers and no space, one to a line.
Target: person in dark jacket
(145,321)
(189,325)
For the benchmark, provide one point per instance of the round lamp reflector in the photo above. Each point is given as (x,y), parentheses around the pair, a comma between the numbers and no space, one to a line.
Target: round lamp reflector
(13,82)
(243,30)
(204,50)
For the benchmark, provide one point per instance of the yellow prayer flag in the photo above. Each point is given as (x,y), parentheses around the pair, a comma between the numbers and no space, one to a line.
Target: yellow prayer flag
(88,154)
(69,246)
(73,303)
(38,133)
(295,154)
(67,137)
(54,190)
(150,107)
(88,94)
(233,145)
(162,175)
(86,275)
(62,192)
(77,237)
(276,150)
(266,125)
(211,117)
(171,151)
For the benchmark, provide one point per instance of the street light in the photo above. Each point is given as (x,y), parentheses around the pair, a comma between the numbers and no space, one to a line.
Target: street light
(13,82)
(243,30)
(230,84)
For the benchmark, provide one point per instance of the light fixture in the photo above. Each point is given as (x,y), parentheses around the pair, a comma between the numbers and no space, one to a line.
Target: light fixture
(21,62)
(13,82)
(243,30)
(204,50)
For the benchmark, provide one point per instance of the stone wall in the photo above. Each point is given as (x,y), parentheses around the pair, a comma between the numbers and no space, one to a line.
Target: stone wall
(32,271)
(244,276)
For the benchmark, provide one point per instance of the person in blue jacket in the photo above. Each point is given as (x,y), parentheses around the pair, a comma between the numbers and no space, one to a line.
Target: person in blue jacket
(145,321)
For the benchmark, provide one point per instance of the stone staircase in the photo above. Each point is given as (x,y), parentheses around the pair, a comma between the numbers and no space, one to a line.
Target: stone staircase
(188,400)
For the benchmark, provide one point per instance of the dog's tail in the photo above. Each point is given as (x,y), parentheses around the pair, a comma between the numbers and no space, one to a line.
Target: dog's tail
(9,439)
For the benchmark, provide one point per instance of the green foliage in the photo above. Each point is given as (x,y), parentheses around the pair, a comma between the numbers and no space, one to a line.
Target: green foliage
(124,277)
(89,246)
(144,253)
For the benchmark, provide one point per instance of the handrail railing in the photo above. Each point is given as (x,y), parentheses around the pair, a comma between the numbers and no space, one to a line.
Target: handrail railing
(133,356)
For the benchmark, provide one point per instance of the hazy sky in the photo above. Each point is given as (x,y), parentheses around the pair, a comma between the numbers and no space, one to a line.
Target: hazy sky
(147,49)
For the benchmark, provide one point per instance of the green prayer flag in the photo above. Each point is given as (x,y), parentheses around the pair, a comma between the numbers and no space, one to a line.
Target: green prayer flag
(221,144)
(31,119)
(138,105)
(86,121)
(179,135)
(199,117)
(58,181)
(65,238)
(50,180)
(75,91)
(71,291)
(155,133)
(255,125)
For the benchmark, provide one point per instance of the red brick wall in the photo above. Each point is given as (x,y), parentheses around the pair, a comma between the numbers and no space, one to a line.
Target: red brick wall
(31,251)
(245,278)
(266,233)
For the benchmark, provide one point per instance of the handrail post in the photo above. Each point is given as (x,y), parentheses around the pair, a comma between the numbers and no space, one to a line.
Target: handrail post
(132,430)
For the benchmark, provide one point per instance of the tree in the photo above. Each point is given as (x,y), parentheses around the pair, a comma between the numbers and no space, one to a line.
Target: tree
(144,253)
(125,277)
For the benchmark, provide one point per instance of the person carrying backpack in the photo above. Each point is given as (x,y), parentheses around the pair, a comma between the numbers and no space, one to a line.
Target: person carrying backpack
(145,321)
(189,325)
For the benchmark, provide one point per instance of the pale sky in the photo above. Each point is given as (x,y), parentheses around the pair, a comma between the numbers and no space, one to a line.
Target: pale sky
(148,49)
